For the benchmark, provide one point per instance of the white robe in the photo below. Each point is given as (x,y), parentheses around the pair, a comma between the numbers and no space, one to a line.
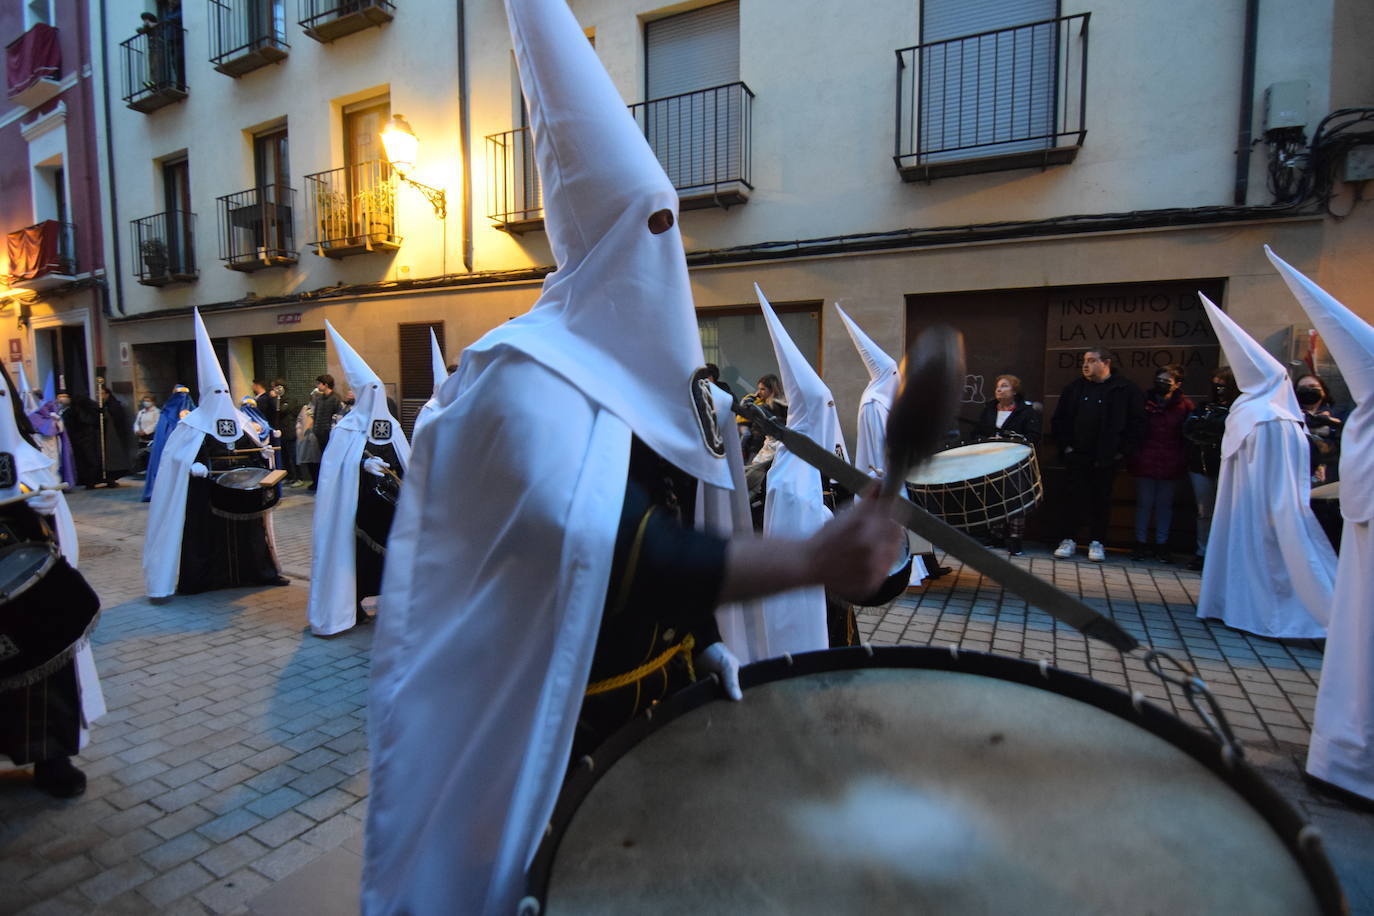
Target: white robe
(333,562)
(1270,569)
(509,610)
(794,507)
(167,511)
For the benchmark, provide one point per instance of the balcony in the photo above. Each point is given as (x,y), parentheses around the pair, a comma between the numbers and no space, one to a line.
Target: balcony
(702,139)
(352,210)
(42,256)
(154,66)
(164,248)
(328,20)
(246,35)
(33,66)
(1004,99)
(256,229)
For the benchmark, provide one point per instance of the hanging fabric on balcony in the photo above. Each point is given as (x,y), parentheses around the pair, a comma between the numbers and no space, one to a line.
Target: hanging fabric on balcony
(34,251)
(33,56)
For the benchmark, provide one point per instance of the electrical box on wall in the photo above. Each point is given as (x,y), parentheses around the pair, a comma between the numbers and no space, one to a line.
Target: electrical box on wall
(1285,105)
(1359,164)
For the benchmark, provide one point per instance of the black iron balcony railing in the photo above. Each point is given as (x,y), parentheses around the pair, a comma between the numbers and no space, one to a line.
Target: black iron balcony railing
(164,249)
(247,34)
(352,210)
(702,139)
(327,20)
(256,228)
(155,66)
(1001,99)
(41,255)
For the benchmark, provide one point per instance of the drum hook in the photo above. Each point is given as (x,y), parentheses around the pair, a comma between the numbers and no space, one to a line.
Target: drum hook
(1200,698)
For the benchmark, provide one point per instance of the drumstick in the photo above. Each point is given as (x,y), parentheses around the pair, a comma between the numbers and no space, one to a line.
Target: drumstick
(926,403)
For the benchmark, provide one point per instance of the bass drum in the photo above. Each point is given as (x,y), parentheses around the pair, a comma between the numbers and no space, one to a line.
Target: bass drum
(972,487)
(918,780)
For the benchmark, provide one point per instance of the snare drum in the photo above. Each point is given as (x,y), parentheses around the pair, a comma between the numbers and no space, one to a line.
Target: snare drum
(239,494)
(46,610)
(921,780)
(973,486)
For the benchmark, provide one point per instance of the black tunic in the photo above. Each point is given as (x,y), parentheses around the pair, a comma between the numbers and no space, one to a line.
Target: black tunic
(372,524)
(101,439)
(219,552)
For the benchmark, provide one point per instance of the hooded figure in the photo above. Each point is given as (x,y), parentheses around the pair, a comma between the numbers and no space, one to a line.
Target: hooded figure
(1270,569)
(101,437)
(28,400)
(353,509)
(794,506)
(1342,747)
(436,360)
(192,545)
(51,434)
(46,721)
(505,537)
(258,425)
(177,406)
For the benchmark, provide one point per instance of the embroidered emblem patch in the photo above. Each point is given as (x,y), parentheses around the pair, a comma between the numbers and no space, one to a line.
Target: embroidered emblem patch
(381,430)
(8,475)
(226,429)
(704,409)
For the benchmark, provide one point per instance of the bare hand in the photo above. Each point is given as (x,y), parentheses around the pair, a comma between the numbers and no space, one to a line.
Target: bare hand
(855,551)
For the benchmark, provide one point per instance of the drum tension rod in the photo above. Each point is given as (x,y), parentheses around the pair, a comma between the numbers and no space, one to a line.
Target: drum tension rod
(1199,697)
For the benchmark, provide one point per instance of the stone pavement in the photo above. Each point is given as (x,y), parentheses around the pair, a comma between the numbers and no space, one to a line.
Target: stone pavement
(231,772)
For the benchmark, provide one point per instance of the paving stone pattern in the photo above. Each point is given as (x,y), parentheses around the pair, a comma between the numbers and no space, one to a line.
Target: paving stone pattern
(233,760)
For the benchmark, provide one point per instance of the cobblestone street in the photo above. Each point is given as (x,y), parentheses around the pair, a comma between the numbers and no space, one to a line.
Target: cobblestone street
(230,774)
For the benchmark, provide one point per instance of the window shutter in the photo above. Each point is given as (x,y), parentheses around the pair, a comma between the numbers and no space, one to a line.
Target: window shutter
(417,376)
(692,51)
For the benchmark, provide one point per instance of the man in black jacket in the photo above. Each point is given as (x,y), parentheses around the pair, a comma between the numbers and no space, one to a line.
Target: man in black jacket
(1100,420)
(325,403)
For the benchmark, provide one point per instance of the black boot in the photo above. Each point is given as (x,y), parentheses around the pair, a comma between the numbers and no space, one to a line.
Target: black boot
(1162,553)
(1141,551)
(59,778)
(933,568)
(1014,547)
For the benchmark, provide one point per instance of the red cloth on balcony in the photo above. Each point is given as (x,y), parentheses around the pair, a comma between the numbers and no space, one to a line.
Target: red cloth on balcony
(34,251)
(32,56)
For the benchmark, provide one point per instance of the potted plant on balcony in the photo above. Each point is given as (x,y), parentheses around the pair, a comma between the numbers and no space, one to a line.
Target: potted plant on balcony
(331,209)
(377,206)
(155,261)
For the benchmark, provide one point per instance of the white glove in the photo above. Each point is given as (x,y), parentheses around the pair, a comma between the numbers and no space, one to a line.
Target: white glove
(199,470)
(276,433)
(374,466)
(44,502)
(718,660)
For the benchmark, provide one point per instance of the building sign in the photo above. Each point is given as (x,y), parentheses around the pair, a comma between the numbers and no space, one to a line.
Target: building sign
(288,318)
(16,349)
(124,353)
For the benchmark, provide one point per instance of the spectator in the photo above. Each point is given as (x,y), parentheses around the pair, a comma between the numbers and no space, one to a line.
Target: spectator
(1323,428)
(145,428)
(307,447)
(1097,423)
(266,402)
(1160,461)
(1009,415)
(324,405)
(1204,429)
(286,417)
(100,433)
(713,373)
(770,397)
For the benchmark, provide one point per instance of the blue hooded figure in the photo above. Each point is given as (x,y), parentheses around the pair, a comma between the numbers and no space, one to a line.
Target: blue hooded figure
(177,405)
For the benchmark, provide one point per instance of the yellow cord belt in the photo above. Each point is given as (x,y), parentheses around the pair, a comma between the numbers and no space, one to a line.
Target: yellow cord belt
(638,674)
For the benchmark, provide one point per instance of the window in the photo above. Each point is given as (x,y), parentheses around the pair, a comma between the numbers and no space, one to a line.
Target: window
(417,374)
(736,340)
(38,11)
(176,193)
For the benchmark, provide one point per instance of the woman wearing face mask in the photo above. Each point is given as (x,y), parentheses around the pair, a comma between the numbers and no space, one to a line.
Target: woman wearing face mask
(1323,427)
(1204,429)
(1159,462)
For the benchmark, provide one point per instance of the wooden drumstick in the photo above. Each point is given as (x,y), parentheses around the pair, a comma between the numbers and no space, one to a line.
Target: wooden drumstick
(926,404)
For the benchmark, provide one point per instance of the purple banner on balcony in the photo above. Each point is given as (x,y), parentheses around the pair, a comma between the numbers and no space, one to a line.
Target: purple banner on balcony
(33,56)
(35,251)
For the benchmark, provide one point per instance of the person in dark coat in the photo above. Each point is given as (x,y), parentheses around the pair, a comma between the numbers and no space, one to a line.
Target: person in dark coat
(101,438)
(1010,416)
(1098,422)
(1160,462)
(1203,431)
(324,404)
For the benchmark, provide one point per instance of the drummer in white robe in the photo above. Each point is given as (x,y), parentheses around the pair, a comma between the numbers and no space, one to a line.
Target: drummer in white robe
(220,552)
(440,371)
(1342,748)
(501,554)
(1270,569)
(352,520)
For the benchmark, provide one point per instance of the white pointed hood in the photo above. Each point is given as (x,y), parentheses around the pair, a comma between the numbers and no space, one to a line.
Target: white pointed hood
(883,376)
(50,388)
(217,415)
(810,405)
(436,363)
(28,399)
(370,413)
(1265,390)
(616,318)
(1351,342)
(17,457)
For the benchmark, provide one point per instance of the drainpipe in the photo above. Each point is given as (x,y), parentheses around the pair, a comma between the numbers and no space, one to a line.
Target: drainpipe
(1247,102)
(115,269)
(464,136)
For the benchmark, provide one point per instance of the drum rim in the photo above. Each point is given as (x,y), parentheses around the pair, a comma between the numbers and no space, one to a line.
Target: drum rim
(48,563)
(1298,837)
(261,473)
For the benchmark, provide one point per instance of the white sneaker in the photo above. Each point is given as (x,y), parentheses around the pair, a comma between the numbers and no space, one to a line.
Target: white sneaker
(1096,552)
(1066,548)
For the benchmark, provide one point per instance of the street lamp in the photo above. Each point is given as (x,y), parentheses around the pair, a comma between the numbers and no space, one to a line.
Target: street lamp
(400,145)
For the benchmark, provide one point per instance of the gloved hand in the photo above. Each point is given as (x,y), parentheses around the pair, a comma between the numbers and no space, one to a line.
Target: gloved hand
(199,470)
(276,434)
(374,466)
(44,502)
(718,660)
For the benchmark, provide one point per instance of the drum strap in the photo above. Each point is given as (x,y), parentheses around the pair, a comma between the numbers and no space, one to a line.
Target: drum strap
(369,541)
(239,516)
(655,664)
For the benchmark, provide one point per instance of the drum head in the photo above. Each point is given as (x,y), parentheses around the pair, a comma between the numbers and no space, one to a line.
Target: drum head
(900,790)
(241,478)
(967,462)
(21,565)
